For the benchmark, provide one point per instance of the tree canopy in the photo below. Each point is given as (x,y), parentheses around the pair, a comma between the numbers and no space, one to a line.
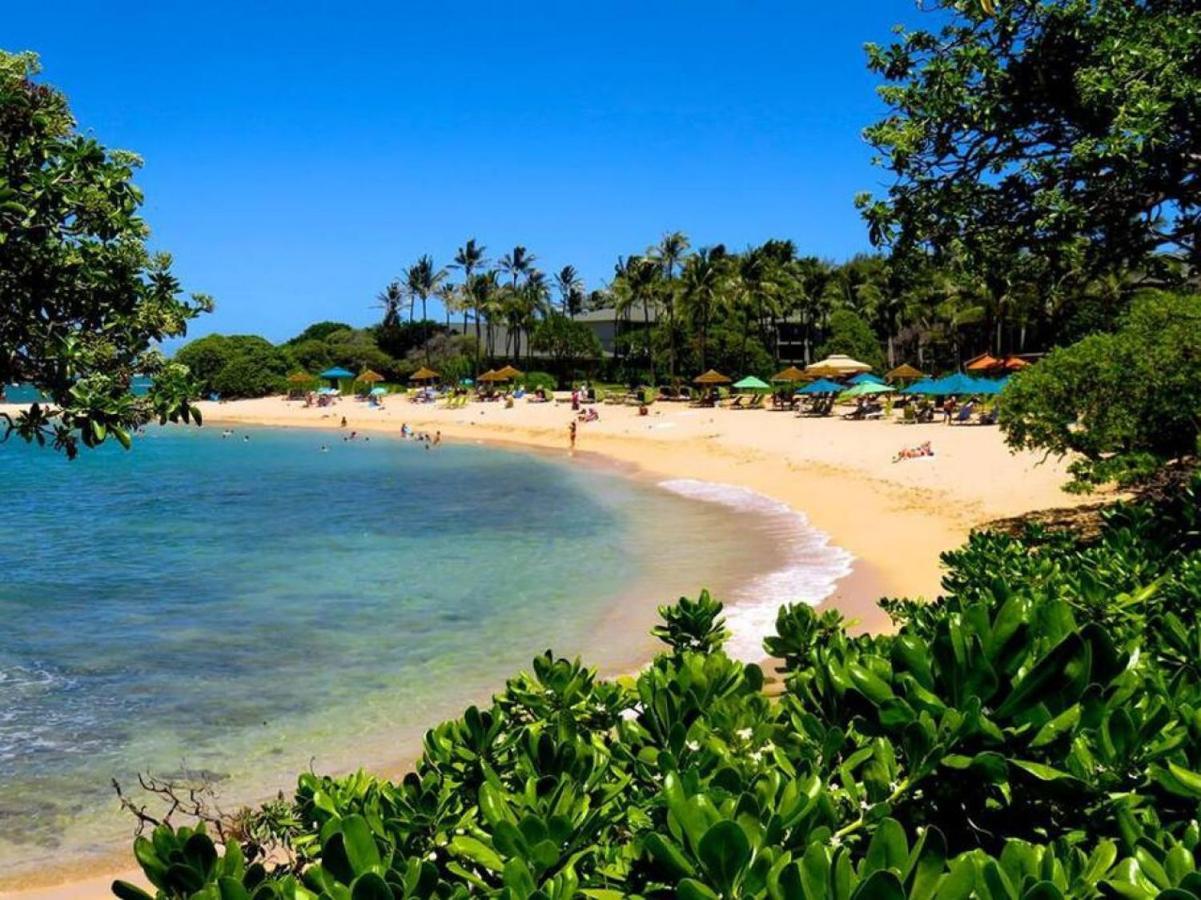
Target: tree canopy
(83,301)
(1068,129)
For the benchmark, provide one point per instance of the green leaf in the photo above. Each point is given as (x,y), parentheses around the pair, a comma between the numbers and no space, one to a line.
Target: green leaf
(370,886)
(880,885)
(689,889)
(1042,772)
(476,851)
(126,891)
(359,842)
(725,852)
(1186,777)
(1061,664)
(664,851)
(232,889)
(889,848)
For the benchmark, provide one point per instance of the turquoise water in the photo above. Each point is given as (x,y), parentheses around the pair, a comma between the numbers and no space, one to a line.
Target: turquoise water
(248,607)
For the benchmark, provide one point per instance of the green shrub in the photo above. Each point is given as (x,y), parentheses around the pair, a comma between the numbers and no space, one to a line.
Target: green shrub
(1126,403)
(1034,733)
(534,380)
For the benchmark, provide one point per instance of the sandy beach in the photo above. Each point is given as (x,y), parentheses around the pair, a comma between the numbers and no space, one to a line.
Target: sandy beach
(895,518)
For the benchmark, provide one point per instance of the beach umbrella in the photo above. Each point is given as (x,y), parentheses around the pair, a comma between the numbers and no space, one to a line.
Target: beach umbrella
(985,362)
(509,373)
(336,374)
(866,378)
(790,375)
(838,364)
(958,383)
(423,374)
(369,376)
(751,383)
(299,378)
(378,391)
(490,377)
(327,391)
(866,387)
(904,372)
(711,377)
(466,382)
(925,386)
(990,386)
(821,386)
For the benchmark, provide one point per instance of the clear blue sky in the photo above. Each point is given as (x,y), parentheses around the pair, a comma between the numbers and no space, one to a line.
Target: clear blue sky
(299,155)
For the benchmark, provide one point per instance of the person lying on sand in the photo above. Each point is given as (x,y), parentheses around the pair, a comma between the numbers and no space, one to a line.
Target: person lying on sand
(914,452)
(589,415)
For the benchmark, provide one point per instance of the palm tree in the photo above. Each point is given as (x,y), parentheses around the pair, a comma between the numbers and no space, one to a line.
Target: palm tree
(517,263)
(670,252)
(571,290)
(469,258)
(424,280)
(701,286)
(390,300)
(486,296)
(637,282)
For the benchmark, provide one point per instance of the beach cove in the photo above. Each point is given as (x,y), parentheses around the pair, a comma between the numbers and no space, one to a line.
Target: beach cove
(751,551)
(892,519)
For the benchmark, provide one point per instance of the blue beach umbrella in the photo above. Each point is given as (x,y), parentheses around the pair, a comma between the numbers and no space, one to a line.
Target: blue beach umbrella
(334,374)
(378,391)
(991,386)
(925,386)
(866,378)
(821,386)
(958,383)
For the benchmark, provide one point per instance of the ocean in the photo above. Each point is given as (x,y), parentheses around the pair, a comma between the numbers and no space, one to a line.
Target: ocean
(245,607)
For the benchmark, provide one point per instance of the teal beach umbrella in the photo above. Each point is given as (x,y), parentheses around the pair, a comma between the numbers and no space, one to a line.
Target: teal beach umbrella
(866,387)
(866,378)
(751,383)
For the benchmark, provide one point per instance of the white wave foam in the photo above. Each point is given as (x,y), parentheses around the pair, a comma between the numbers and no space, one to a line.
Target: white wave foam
(813,564)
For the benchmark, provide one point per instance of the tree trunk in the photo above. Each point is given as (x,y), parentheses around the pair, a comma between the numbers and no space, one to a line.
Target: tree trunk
(646,324)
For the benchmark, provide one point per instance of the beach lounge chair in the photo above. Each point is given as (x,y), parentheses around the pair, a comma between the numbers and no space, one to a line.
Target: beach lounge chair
(908,415)
(756,402)
(964,416)
(736,403)
(987,417)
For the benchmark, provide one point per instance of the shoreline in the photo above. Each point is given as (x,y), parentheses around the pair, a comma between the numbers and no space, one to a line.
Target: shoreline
(854,506)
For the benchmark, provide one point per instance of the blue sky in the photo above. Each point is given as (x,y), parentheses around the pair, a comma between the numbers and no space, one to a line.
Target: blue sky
(299,155)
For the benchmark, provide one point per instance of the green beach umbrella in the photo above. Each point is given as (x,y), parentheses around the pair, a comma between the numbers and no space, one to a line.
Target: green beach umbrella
(751,383)
(866,387)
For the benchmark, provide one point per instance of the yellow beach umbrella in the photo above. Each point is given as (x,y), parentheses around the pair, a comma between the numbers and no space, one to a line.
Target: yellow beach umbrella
(904,372)
(711,377)
(423,374)
(789,375)
(491,376)
(369,377)
(509,372)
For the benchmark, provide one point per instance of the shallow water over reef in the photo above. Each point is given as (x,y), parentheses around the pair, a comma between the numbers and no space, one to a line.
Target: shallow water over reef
(243,608)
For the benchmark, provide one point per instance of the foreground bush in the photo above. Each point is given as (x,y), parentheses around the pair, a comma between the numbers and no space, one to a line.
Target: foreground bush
(1033,734)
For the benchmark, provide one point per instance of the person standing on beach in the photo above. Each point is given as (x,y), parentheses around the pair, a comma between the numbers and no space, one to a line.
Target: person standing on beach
(571,434)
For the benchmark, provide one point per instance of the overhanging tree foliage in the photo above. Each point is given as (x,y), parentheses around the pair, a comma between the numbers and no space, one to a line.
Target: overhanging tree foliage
(1068,129)
(83,302)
